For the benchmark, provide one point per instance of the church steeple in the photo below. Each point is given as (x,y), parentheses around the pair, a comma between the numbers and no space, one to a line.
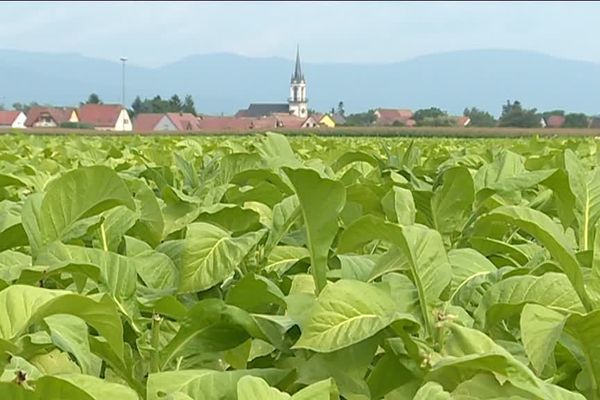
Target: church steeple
(298,103)
(298,76)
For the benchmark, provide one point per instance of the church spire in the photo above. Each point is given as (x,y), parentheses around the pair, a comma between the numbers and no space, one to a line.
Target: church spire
(297,77)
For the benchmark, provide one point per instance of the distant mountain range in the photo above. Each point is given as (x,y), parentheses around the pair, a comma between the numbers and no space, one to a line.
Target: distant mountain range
(225,83)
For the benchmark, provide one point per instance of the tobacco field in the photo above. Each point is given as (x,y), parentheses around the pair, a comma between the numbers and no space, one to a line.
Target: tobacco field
(304,268)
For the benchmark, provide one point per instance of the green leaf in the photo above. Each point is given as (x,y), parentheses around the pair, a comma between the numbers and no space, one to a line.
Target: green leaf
(432,391)
(70,334)
(508,296)
(347,313)
(21,306)
(210,326)
(208,255)
(254,293)
(585,185)
(320,216)
(547,233)
(467,264)
(399,206)
(452,200)
(421,247)
(206,384)
(79,194)
(541,328)
(253,388)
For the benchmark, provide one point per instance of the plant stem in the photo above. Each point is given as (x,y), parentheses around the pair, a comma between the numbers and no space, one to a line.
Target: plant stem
(155,358)
(103,235)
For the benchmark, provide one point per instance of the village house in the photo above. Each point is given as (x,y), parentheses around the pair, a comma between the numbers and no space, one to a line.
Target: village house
(169,122)
(555,121)
(50,117)
(12,119)
(105,117)
(297,104)
(394,117)
(463,121)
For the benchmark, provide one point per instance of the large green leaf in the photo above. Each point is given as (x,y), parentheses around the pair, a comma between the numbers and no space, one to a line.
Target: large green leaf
(452,200)
(348,312)
(78,194)
(585,185)
(211,325)
(508,296)
(21,306)
(541,328)
(547,233)
(421,247)
(206,384)
(68,386)
(208,255)
(321,200)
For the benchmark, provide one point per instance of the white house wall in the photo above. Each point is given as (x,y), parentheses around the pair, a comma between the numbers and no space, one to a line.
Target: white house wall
(165,124)
(19,122)
(123,122)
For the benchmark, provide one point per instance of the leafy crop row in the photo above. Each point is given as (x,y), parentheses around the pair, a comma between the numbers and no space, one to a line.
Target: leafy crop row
(261,268)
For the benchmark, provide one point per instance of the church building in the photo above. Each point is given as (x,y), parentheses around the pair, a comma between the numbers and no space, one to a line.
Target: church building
(297,104)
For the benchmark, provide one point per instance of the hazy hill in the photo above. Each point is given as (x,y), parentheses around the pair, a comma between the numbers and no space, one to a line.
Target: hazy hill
(228,82)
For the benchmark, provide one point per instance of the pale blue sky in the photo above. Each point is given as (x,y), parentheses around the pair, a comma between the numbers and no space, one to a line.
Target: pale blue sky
(157,33)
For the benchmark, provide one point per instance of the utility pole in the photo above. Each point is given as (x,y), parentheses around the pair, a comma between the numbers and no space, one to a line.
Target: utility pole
(123,59)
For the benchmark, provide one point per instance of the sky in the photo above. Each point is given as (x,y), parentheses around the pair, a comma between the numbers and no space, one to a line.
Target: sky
(152,34)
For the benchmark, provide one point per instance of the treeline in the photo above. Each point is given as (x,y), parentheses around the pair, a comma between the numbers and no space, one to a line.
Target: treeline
(513,115)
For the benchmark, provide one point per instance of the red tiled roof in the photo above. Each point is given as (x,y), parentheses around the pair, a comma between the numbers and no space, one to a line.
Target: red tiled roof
(388,116)
(463,121)
(224,123)
(100,115)
(8,117)
(289,121)
(59,115)
(184,121)
(555,121)
(146,122)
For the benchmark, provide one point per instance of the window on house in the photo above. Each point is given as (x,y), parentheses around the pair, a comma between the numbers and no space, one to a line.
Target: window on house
(125,121)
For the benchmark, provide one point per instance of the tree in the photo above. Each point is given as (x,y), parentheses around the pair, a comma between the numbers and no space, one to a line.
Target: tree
(576,120)
(479,118)
(548,114)
(340,109)
(93,99)
(514,115)
(432,116)
(25,107)
(136,106)
(1,107)
(188,105)
(361,119)
(175,104)
(432,112)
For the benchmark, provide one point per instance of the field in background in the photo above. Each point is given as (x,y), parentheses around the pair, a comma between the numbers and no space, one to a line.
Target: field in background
(344,131)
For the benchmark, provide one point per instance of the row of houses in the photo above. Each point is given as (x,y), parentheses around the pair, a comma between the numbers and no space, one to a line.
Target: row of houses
(116,118)
(99,116)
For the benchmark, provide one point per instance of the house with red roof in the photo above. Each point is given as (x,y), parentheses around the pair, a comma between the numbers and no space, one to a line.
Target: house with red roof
(12,119)
(148,122)
(555,121)
(462,121)
(106,117)
(50,117)
(394,116)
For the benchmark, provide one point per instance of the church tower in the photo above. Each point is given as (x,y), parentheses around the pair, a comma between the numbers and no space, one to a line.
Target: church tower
(298,102)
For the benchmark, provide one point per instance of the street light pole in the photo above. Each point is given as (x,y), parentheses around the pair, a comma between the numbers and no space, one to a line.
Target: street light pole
(123,59)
